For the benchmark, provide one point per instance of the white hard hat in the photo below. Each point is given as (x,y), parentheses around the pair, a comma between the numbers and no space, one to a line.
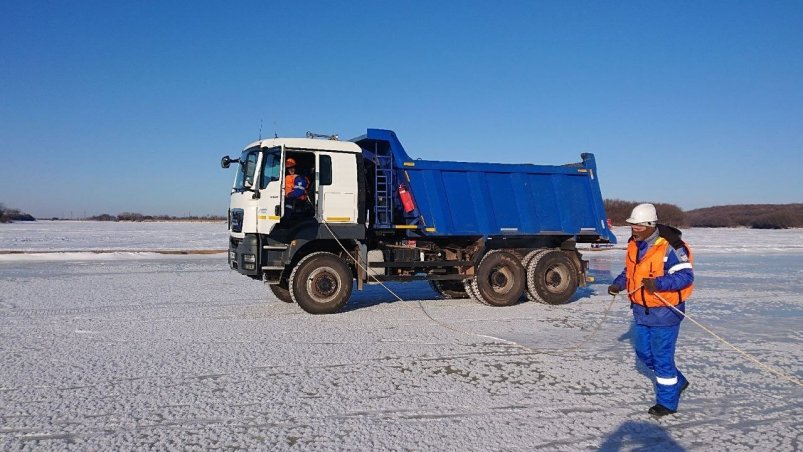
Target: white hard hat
(643,214)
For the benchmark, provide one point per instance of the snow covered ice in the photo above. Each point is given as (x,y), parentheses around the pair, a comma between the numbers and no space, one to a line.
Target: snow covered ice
(134,349)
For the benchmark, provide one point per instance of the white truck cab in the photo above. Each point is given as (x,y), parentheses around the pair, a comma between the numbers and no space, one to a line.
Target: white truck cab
(257,197)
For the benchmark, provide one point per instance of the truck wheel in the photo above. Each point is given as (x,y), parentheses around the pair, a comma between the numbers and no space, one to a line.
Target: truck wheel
(500,279)
(529,257)
(468,286)
(551,277)
(281,292)
(525,263)
(448,289)
(321,283)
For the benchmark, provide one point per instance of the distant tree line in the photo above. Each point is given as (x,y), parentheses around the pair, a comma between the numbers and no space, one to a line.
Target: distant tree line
(133,216)
(756,216)
(8,215)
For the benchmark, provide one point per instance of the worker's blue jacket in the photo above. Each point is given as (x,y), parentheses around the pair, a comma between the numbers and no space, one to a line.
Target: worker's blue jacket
(678,274)
(296,187)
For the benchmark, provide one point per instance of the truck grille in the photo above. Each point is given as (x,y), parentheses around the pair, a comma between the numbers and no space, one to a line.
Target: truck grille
(236,220)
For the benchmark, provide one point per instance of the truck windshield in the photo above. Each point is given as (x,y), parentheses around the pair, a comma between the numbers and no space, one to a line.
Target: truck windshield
(248,165)
(271,164)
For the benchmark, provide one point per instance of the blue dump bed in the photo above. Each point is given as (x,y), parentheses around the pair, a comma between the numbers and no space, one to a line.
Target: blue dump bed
(488,199)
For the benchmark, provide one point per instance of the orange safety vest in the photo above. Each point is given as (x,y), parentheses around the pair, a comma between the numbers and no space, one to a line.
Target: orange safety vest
(290,181)
(652,266)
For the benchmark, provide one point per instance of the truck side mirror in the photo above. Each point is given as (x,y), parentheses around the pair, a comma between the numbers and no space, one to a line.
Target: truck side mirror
(226,161)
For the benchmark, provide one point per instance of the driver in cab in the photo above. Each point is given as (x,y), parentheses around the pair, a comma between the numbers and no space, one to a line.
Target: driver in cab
(295,189)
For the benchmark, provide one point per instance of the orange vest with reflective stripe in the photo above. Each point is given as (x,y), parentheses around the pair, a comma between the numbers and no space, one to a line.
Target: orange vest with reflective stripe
(651,266)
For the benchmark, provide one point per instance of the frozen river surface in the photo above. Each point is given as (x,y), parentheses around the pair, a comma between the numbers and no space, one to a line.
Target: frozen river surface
(138,350)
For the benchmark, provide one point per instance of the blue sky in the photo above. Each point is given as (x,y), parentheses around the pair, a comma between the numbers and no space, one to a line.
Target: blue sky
(108,107)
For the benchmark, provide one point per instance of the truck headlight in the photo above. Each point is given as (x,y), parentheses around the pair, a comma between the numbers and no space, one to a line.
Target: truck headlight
(249,258)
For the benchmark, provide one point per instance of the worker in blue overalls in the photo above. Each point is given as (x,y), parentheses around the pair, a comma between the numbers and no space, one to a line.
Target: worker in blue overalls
(295,190)
(658,273)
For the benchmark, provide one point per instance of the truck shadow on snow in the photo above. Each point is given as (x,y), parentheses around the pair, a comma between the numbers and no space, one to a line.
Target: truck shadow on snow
(602,276)
(375,294)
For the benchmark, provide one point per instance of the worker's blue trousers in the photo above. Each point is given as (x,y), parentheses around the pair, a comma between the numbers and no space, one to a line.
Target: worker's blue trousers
(655,347)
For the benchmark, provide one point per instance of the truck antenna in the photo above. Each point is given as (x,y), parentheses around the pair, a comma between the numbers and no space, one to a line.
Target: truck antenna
(260,129)
(275,135)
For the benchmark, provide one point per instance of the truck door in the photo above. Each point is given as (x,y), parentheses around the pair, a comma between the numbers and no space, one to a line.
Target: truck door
(270,204)
(337,188)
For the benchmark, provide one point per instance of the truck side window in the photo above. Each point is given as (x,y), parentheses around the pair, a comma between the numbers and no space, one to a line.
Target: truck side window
(326,170)
(245,175)
(270,167)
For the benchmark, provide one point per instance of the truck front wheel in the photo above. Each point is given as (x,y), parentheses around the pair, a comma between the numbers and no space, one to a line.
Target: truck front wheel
(321,283)
(500,279)
(551,277)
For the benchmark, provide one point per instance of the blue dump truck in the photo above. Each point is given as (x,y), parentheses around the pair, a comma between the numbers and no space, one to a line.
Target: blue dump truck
(313,216)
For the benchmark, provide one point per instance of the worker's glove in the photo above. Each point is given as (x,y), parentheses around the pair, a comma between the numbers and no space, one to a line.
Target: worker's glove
(613,290)
(649,284)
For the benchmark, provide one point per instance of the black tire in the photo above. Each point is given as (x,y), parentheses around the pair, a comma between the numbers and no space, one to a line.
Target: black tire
(525,263)
(449,289)
(321,283)
(468,286)
(500,279)
(551,277)
(531,255)
(281,292)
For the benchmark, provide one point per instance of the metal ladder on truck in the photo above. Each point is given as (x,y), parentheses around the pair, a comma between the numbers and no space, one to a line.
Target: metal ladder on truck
(383,190)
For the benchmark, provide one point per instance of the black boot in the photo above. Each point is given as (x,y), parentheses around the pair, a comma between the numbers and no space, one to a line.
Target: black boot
(659,410)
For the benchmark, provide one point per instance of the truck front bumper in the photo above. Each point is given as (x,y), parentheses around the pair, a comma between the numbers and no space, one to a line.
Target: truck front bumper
(244,255)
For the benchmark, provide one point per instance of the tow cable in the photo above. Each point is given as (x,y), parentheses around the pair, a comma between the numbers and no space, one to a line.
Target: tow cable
(556,352)
(750,357)
(578,345)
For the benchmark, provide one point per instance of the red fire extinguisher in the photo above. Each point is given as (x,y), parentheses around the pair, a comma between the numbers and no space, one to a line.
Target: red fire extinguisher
(406,199)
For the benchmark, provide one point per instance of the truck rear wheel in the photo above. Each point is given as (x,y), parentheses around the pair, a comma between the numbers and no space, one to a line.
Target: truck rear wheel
(321,283)
(551,277)
(468,286)
(529,256)
(281,292)
(500,279)
(525,263)
(448,288)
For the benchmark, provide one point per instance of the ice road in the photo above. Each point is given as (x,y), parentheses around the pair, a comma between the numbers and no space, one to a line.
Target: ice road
(135,350)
